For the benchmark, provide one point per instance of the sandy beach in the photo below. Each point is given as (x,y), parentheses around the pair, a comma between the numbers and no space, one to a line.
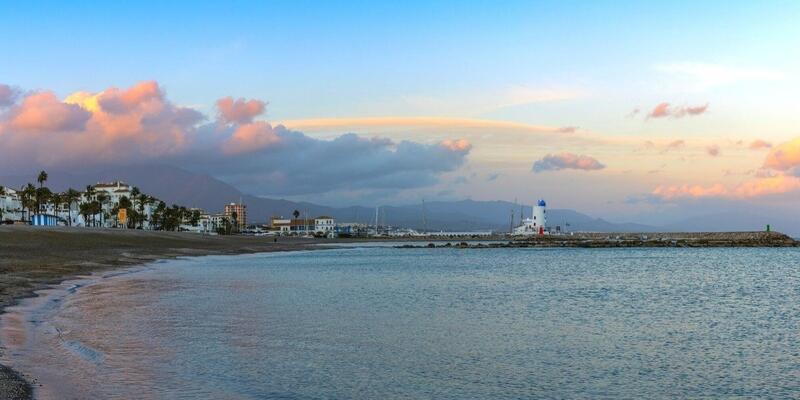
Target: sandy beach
(33,257)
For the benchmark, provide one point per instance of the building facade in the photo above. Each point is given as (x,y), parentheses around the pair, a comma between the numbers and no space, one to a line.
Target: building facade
(241,214)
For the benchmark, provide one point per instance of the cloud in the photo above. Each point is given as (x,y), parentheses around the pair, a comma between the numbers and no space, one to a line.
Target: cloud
(239,111)
(663,110)
(689,191)
(759,144)
(784,156)
(665,147)
(250,137)
(296,164)
(139,124)
(114,125)
(42,112)
(555,162)
(458,145)
(712,150)
(7,95)
(772,185)
(322,124)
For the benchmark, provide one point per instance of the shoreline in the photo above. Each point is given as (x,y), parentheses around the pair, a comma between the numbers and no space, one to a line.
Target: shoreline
(35,258)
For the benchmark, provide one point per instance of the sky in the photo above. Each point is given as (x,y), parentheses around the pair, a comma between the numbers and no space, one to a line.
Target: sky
(625,110)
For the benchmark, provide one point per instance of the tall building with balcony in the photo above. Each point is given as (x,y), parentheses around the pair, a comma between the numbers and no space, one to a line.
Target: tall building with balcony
(241,214)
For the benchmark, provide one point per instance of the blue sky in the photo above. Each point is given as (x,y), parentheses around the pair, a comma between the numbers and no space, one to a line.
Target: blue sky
(584,65)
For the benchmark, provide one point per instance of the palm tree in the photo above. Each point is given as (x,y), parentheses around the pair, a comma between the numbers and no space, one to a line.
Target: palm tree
(235,218)
(2,209)
(95,208)
(135,192)
(42,178)
(28,197)
(146,200)
(70,197)
(296,214)
(90,192)
(85,210)
(102,199)
(56,199)
(125,203)
(43,196)
(194,219)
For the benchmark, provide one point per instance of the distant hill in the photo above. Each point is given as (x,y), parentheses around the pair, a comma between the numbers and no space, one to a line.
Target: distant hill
(176,185)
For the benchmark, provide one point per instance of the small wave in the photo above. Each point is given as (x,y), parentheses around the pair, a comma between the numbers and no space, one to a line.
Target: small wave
(83,351)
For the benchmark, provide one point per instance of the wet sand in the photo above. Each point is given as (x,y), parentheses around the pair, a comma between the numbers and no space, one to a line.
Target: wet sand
(31,258)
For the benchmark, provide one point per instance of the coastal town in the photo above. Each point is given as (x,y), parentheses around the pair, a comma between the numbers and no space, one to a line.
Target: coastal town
(120,205)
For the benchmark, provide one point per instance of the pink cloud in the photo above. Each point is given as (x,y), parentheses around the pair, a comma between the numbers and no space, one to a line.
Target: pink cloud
(664,109)
(759,144)
(771,185)
(43,112)
(555,162)
(784,156)
(239,111)
(114,100)
(712,150)
(250,138)
(689,191)
(118,125)
(458,145)
(696,110)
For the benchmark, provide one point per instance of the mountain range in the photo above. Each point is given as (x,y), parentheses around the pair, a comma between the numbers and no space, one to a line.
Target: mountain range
(179,186)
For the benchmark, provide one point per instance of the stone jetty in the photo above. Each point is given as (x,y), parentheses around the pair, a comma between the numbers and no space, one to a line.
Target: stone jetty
(649,239)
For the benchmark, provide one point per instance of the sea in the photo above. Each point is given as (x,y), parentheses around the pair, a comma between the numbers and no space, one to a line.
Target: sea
(378,322)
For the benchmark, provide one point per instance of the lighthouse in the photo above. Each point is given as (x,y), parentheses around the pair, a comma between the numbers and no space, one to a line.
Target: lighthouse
(540,216)
(535,225)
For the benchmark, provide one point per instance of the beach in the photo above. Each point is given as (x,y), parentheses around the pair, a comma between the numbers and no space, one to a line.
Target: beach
(33,257)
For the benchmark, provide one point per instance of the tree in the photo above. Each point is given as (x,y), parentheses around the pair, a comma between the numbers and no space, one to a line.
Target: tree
(28,198)
(125,202)
(195,217)
(85,210)
(296,214)
(158,215)
(90,193)
(143,201)
(235,218)
(71,196)
(102,199)
(95,208)
(135,192)
(42,178)
(2,209)
(43,196)
(57,199)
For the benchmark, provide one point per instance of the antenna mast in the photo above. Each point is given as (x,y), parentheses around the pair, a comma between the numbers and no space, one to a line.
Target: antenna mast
(424,221)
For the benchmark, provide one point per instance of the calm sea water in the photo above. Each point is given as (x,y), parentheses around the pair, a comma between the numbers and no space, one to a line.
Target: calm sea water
(444,323)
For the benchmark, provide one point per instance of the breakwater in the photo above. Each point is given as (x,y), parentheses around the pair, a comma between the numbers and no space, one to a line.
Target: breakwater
(650,239)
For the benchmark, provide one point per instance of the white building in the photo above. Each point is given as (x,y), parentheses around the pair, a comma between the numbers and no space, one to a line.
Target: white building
(10,205)
(114,192)
(537,223)
(280,225)
(324,224)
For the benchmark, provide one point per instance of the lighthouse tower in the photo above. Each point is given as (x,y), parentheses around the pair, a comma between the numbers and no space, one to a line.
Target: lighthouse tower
(540,216)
